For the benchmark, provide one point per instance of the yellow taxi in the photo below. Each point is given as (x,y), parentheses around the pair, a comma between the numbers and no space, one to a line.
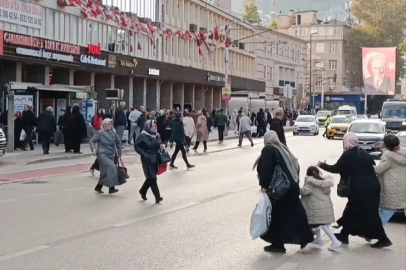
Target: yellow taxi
(338,126)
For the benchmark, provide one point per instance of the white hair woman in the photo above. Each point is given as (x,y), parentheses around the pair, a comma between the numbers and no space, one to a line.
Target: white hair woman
(108,143)
(46,128)
(289,221)
(361,215)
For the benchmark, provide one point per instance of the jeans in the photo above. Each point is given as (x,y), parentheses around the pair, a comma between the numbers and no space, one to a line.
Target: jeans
(221,132)
(386,215)
(246,134)
(120,131)
(45,142)
(134,132)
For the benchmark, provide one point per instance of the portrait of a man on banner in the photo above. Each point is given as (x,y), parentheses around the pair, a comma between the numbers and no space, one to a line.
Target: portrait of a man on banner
(379,71)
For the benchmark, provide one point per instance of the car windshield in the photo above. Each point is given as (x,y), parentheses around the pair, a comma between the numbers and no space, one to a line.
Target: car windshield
(323,114)
(344,112)
(342,120)
(373,128)
(306,119)
(394,113)
(402,140)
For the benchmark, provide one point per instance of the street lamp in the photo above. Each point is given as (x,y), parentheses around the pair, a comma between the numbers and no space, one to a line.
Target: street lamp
(310,81)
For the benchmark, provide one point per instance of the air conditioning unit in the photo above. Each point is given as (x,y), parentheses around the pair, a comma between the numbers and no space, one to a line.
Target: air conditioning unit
(241,46)
(235,43)
(193,28)
(110,47)
(156,24)
(211,36)
(117,48)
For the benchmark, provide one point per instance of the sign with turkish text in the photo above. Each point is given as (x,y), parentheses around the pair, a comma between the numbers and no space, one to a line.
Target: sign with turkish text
(44,54)
(129,64)
(40,43)
(214,78)
(112,61)
(21,13)
(91,60)
(21,100)
(154,72)
(94,49)
(379,71)
(225,94)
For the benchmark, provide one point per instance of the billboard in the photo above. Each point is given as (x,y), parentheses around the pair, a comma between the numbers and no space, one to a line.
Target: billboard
(379,71)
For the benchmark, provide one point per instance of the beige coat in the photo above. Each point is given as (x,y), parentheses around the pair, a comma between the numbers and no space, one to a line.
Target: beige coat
(316,200)
(391,172)
(189,125)
(201,129)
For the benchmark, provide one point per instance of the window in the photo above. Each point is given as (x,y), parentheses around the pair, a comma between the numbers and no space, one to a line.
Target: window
(319,47)
(332,83)
(332,64)
(319,82)
(265,72)
(271,73)
(333,47)
(319,64)
(280,50)
(337,31)
(266,47)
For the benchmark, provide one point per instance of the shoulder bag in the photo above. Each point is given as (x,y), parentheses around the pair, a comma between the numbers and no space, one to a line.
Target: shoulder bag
(344,186)
(280,183)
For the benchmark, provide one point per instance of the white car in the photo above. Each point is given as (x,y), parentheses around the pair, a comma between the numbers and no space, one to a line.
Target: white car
(306,124)
(370,133)
(3,143)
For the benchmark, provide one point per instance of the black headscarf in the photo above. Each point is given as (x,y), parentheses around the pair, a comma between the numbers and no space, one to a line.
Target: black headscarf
(147,128)
(76,111)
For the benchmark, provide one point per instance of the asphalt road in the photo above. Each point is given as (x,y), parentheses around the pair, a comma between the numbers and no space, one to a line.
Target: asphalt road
(203,223)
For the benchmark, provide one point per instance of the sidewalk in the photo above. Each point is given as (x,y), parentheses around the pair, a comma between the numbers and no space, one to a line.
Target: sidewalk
(58,153)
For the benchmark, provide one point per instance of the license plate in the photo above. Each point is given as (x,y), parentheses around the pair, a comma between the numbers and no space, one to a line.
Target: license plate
(304,129)
(366,147)
(340,132)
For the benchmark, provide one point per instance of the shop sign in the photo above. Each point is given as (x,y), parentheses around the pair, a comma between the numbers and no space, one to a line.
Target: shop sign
(129,64)
(214,78)
(21,13)
(154,72)
(91,60)
(225,93)
(44,54)
(40,43)
(328,99)
(81,95)
(112,61)
(94,49)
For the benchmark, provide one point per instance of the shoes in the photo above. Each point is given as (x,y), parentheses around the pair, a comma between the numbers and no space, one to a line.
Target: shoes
(91,170)
(275,249)
(335,246)
(160,199)
(99,190)
(143,196)
(252,144)
(112,191)
(342,239)
(205,150)
(239,145)
(172,166)
(318,242)
(190,166)
(382,244)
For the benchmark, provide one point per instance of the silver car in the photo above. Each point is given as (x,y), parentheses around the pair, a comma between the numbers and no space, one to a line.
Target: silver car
(3,143)
(369,132)
(306,124)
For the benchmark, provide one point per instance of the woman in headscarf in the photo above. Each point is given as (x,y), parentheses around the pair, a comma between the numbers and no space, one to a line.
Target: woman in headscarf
(147,146)
(108,146)
(79,130)
(289,221)
(67,129)
(18,128)
(361,215)
(201,130)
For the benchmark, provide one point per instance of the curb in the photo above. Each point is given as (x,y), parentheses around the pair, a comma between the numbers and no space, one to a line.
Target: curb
(124,151)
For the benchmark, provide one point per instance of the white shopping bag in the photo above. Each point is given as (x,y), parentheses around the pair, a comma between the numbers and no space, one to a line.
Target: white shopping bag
(254,130)
(261,217)
(22,135)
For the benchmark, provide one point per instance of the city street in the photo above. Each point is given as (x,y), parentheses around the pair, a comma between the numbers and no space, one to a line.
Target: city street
(58,222)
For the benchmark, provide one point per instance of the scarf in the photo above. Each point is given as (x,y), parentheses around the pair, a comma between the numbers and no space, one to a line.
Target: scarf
(147,129)
(271,138)
(350,141)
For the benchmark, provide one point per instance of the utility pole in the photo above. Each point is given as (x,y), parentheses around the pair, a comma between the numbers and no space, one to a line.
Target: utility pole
(322,91)
(311,72)
(227,64)
(10,120)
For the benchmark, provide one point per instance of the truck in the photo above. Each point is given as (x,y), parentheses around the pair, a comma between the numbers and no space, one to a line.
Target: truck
(3,142)
(394,115)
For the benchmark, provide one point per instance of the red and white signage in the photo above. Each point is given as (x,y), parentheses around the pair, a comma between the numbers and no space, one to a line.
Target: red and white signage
(21,13)
(94,49)
(40,43)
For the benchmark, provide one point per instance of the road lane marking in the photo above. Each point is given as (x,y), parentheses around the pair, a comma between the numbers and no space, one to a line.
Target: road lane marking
(288,266)
(73,189)
(22,253)
(39,195)
(6,201)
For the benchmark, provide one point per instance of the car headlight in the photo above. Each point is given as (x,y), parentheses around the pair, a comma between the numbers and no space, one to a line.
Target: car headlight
(404,124)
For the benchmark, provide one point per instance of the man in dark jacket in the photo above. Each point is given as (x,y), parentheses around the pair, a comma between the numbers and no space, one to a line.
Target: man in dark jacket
(46,127)
(277,125)
(29,121)
(120,120)
(178,137)
(220,121)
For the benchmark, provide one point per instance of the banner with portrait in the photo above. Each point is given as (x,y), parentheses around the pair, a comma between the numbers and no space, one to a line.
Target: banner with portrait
(379,71)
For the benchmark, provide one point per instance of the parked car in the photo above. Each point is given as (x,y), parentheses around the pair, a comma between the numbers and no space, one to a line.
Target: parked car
(370,133)
(306,124)
(3,143)
(338,126)
(322,115)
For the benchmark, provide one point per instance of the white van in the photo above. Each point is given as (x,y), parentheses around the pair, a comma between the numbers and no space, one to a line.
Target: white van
(347,110)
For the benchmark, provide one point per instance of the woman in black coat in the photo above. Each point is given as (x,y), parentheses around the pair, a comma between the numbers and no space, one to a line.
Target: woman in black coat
(78,130)
(289,223)
(18,127)
(147,145)
(178,137)
(361,215)
(67,129)
(45,128)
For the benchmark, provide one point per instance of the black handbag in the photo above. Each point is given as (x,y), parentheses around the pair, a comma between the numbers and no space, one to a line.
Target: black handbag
(164,157)
(280,184)
(344,186)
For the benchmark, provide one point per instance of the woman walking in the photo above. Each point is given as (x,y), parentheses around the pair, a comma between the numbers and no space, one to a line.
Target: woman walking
(67,129)
(361,215)
(178,137)
(18,128)
(190,129)
(391,172)
(108,146)
(201,130)
(79,130)
(289,221)
(147,146)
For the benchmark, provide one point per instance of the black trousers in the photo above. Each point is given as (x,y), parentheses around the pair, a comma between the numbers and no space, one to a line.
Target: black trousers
(45,141)
(98,186)
(221,132)
(28,138)
(187,141)
(96,165)
(181,148)
(150,183)
(197,145)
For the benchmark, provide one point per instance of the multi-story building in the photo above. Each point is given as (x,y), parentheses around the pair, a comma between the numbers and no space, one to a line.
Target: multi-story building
(160,53)
(281,60)
(328,57)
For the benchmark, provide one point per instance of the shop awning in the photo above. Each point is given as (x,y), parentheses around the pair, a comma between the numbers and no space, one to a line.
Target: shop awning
(53,87)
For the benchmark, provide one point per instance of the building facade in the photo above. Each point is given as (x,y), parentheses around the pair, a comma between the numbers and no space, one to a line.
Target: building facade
(49,47)
(328,54)
(281,61)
